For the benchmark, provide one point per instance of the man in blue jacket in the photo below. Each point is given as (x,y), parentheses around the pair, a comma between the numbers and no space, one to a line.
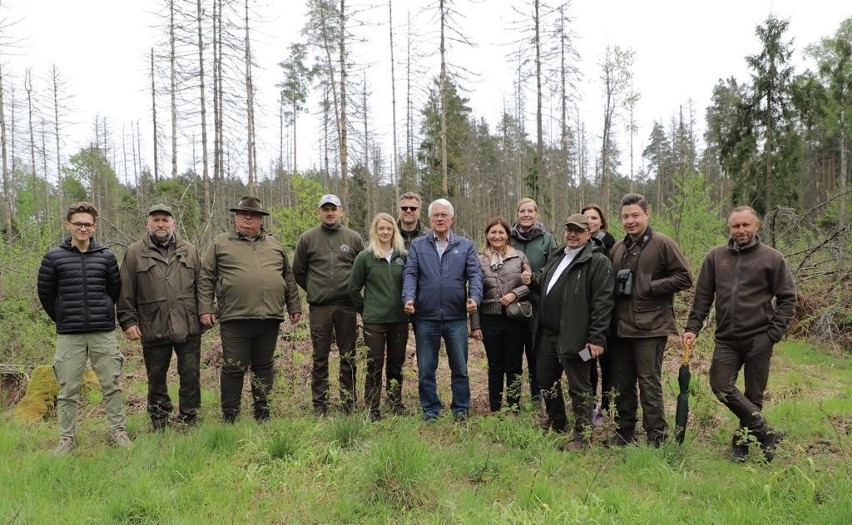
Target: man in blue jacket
(441,284)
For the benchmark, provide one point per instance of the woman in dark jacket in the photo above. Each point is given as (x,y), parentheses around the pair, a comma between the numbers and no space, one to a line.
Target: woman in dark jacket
(598,226)
(604,239)
(529,236)
(505,275)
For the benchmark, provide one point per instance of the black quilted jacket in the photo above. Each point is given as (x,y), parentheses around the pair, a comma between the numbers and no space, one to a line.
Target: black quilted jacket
(78,290)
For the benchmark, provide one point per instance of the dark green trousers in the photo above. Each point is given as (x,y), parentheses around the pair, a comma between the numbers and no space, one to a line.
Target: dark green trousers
(639,362)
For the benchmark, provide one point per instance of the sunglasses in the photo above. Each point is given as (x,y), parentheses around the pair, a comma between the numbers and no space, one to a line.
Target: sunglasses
(409,208)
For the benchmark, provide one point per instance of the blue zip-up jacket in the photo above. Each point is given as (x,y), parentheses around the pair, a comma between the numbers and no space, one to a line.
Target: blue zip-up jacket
(441,287)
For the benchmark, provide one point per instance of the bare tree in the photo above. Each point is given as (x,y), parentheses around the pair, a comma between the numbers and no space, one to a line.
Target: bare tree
(7,190)
(616,75)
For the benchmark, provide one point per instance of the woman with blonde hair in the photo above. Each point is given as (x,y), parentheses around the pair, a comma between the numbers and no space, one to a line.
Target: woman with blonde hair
(505,276)
(528,235)
(375,284)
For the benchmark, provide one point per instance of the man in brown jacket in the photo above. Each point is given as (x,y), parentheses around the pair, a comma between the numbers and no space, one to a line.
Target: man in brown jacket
(158,305)
(248,274)
(744,276)
(649,269)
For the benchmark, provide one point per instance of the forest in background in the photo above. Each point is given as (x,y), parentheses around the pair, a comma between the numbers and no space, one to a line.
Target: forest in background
(777,141)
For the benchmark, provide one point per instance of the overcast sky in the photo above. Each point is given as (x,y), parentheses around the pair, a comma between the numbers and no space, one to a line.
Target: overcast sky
(682,48)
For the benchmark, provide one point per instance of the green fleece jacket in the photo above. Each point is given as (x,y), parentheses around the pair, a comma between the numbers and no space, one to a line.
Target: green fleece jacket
(322,262)
(249,279)
(381,282)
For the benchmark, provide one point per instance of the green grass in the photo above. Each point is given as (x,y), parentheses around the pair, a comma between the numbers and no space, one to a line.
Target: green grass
(492,469)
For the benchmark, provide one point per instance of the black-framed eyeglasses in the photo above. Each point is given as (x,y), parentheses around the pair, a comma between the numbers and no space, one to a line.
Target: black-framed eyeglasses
(82,225)
(409,208)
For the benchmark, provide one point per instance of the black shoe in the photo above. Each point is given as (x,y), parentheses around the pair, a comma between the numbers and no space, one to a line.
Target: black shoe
(375,416)
(320,411)
(739,453)
(461,416)
(399,410)
(430,418)
(261,416)
(187,419)
(229,417)
(622,438)
(159,424)
(768,442)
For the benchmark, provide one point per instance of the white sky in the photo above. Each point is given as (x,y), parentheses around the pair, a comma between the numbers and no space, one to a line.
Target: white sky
(682,48)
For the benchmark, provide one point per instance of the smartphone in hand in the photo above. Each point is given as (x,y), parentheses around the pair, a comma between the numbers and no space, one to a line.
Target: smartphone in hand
(585,354)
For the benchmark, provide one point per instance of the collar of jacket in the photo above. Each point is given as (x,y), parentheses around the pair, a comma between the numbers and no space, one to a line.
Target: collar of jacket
(734,247)
(451,237)
(243,237)
(93,246)
(642,241)
(151,242)
(331,229)
(416,231)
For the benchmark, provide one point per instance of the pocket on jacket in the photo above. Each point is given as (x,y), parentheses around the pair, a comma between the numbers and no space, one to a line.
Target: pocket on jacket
(649,315)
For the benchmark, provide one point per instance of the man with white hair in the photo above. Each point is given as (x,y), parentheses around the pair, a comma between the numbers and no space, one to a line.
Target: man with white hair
(441,284)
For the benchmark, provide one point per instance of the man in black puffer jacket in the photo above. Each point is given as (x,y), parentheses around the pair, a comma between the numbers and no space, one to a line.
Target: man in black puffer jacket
(78,284)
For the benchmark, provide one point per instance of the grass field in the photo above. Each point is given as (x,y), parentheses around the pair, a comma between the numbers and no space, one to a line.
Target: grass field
(491,469)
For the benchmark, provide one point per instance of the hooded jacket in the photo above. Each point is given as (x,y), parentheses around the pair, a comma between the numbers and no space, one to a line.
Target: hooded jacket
(744,280)
(78,289)
(158,292)
(250,278)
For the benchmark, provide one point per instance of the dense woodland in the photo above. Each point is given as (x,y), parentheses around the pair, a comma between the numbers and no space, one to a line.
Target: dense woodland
(777,140)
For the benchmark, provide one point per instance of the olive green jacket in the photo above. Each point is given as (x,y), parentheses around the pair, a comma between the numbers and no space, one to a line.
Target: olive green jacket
(248,278)
(158,292)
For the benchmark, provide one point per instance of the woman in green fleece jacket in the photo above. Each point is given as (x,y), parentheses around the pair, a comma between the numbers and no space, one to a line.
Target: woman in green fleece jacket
(377,271)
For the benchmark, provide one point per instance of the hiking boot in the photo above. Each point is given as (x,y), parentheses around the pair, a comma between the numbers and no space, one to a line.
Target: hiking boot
(261,415)
(65,446)
(230,417)
(375,416)
(768,442)
(739,453)
(399,410)
(621,438)
(461,416)
(574,445)
(187,419)
(159,424)
(120,438)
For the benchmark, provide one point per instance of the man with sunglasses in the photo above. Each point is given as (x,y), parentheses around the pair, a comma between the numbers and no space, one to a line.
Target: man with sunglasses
(409,218)
(78,285)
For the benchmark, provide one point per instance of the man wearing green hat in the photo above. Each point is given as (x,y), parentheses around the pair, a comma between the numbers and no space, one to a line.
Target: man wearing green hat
(157,305)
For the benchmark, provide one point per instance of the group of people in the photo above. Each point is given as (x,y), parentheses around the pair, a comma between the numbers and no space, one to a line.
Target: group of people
(591,301)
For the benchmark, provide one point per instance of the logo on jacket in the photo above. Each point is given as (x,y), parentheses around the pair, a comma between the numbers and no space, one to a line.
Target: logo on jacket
(724,264)
(398,261)
(345,248)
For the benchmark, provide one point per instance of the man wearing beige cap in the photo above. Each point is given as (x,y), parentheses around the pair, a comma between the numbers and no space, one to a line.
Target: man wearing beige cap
(248,274)
(157,305)
(571,326)
(322,262)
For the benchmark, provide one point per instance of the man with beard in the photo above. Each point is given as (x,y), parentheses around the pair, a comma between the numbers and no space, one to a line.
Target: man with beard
(158,306)
(409,218)
(322,262)
(744,276)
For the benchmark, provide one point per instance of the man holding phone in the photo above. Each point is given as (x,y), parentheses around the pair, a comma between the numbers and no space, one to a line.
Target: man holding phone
(571,325)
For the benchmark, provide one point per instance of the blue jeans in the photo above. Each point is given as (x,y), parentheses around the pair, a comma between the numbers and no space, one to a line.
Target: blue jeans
(428,335)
